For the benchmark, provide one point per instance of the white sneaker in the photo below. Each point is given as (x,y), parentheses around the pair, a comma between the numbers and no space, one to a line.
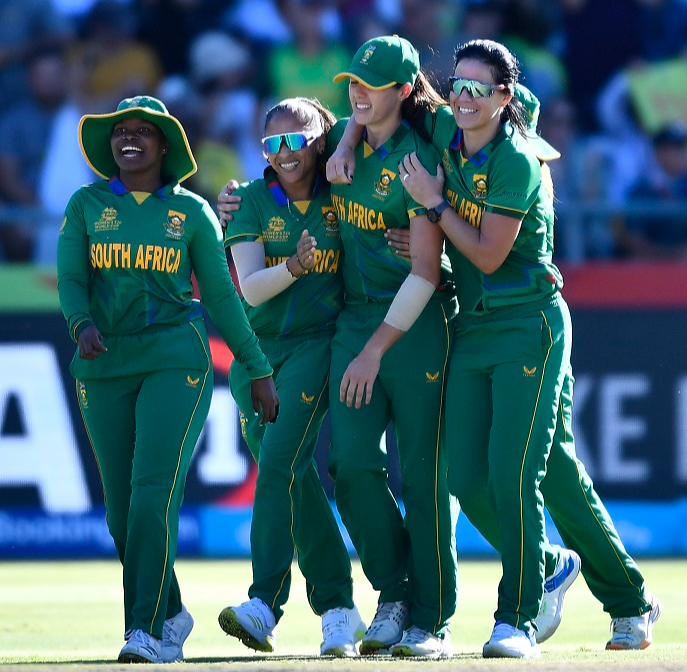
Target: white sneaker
(509,642)
(551,609)
(341,629)
(634,632)
(386,628)
(252,622)
(140,648)
(417,642)
(175,632)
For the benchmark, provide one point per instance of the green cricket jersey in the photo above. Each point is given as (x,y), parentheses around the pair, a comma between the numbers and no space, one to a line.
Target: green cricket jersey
(125,261)
(374,202)
(313,303)
(503,177)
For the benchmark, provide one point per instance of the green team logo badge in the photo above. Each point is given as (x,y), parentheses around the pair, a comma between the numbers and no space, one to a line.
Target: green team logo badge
(175,224)
(383,187)
(479,187)
(330,220)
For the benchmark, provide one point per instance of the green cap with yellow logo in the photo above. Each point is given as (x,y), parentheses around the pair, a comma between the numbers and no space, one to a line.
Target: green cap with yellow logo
(382,62)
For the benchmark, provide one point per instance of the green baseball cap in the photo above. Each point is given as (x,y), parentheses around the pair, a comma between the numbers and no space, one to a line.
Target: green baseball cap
(95,131)
(543,150)
(382,62)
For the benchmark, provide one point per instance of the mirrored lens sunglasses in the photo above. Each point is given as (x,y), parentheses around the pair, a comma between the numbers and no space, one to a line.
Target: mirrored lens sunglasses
(294,141)
(474,87)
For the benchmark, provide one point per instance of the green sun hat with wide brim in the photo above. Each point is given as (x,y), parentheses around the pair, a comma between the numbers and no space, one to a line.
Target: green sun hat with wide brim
(543,150)
(95,131)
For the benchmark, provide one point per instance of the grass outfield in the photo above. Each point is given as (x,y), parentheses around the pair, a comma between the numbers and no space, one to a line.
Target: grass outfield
(68,616)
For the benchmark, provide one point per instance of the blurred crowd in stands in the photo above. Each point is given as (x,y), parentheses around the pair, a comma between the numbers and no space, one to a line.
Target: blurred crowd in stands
(610,75)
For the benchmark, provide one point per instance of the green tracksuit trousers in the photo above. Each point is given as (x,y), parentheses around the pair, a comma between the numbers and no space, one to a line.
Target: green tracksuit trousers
(143,429)
(405,557)
(511,451)
(291,510)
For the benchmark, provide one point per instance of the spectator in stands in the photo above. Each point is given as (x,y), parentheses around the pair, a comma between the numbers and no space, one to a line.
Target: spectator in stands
(306,65)
(656,236)
(222,72)
(578,177)
(170,26)
(26,28)
(599,39)
(113,64)
(663,29)
(25,132)
(431,26)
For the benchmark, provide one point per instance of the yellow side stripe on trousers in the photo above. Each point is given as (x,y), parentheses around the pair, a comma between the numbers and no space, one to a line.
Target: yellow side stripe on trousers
(522,467)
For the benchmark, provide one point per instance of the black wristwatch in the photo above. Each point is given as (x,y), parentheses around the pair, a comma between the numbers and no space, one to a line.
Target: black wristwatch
(434,214)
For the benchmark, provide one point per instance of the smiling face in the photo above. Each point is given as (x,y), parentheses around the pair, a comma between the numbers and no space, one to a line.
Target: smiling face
(295,168)
(477,115)
(379,110)
(138,147)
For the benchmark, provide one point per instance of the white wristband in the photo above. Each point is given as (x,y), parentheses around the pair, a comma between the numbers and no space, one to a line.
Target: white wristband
(410,300)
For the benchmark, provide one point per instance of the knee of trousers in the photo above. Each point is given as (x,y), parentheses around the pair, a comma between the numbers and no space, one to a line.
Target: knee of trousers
(349,479)
(149,505)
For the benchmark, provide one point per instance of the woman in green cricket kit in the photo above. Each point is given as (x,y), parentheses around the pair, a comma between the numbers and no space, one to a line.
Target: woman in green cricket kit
(390,360)
(127,248)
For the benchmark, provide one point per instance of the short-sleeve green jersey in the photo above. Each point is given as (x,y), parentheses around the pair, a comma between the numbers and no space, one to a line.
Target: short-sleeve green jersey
(374,202)
(503,177)
(125,261)
(313,302)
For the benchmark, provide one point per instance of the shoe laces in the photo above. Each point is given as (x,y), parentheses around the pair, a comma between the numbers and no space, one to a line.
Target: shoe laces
(415,635)
(334,623)
(144,641)
(623,626)
(394,611)
(168,632)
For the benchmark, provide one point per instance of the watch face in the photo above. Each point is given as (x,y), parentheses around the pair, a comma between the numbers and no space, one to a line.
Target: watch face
(432,215)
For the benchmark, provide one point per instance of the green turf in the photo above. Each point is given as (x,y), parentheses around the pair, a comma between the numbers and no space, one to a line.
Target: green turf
(70,612)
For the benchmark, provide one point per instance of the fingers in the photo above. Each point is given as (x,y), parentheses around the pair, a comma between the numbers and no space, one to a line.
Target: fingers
(338,171)
(352,392)
(399,241)
(305,250)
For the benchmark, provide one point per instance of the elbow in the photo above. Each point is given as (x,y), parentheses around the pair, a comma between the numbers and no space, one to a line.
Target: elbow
(250,299)
(488,267)
(489,263)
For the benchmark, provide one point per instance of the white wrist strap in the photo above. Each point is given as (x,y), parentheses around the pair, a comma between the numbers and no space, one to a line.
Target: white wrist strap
(410,300)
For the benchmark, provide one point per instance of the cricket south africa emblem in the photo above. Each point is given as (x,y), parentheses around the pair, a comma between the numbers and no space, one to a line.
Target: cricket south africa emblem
(175,224)
(479,187)
(383,187)
(368,54)
(330,220)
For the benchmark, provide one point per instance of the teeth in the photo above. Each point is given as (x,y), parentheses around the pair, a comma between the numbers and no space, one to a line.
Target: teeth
(361,106)
(289,165)
(466,110)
